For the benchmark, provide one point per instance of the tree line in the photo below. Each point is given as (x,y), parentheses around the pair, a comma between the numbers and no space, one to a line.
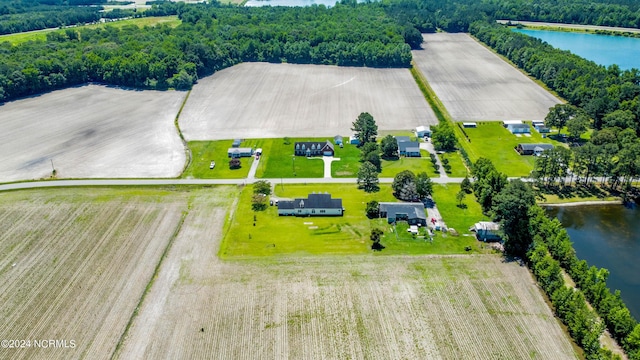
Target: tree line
(458,15)
(529,233)
(210,38)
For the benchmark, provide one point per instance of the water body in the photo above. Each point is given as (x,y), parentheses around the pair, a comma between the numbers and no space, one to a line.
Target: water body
(327,3)
(602,49)
(608,237)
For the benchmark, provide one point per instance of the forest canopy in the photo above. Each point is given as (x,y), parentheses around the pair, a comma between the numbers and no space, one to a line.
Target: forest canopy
(210,38)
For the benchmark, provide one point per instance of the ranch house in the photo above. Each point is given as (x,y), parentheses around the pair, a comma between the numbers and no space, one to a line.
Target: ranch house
(533,149)
(239,152)
(486,231)
(313,148)
(313,205)
(519,128)
(407,148)
(412,213)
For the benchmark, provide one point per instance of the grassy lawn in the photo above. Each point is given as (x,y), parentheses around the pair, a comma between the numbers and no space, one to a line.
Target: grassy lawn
(457,164)
(202,152)
(391,167)
(349,234)
(494,142)
(19,38)
(278,160)
(349,163)
(455,217)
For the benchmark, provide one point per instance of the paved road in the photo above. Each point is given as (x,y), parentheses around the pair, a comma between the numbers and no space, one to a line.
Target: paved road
(160,182)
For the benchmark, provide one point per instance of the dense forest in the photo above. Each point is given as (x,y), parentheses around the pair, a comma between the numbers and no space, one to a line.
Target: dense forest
(210,38)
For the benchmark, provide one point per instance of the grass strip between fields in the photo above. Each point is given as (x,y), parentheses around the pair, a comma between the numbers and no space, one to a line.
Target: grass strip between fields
(174,235)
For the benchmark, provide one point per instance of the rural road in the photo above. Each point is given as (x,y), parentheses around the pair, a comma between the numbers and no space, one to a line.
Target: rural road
(160,182)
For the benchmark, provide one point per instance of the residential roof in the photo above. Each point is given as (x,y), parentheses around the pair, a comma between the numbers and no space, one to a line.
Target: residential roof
(412,150)
(507,122)
(413,210)
(313,201)
(518,126)
(486,226)
(239,150)
(406,145)
(400,139)
(313,145)
(532,147)
(423,128)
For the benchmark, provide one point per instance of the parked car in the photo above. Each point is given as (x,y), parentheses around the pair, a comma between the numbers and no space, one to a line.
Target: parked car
(212,165)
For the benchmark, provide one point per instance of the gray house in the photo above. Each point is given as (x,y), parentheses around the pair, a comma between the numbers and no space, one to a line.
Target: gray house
(239,152)
(486,231)
(409,148)
(533,149)
(412,213)
(313,205)
(519,128)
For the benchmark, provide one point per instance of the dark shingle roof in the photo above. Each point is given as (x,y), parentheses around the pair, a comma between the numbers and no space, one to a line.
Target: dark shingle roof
(403,146)
(413,210)
(313,201)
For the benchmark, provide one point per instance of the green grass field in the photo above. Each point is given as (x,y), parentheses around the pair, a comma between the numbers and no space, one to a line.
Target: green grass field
(349,163)
(455,217)
(202,152)
(494,142)
(349,234)
(19,38)
(278,160)
(457,164)
(391,167)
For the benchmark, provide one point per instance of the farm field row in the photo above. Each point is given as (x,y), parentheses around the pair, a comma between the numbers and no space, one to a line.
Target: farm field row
(75,263)
(475,84)
(92,131)
(261,100)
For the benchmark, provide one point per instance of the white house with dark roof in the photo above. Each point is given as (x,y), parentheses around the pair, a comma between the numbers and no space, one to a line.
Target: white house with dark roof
(313,205)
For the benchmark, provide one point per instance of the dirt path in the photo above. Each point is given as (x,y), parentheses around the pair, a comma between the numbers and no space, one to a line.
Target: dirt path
(428,146)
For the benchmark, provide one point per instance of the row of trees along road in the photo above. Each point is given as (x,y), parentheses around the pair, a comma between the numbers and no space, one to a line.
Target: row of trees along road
(545,245)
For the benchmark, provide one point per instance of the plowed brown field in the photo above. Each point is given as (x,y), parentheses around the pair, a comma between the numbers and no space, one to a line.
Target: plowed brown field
(74,264)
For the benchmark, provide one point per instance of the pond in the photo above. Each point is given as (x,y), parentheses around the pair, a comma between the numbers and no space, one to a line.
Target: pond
(601,49)
(608,237)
